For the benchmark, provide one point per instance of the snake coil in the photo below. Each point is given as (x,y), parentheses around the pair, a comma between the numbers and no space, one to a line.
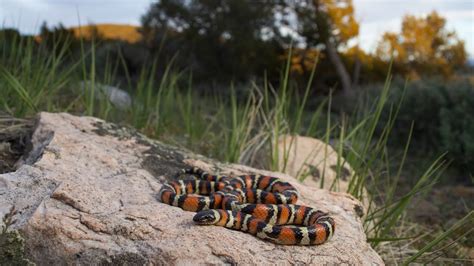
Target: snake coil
(263,206)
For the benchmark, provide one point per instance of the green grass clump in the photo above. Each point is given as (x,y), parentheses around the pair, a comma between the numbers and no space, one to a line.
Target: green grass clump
(243,129)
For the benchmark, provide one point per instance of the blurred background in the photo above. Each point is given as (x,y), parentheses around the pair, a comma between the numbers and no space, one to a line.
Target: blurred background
(221,41)
(389,83)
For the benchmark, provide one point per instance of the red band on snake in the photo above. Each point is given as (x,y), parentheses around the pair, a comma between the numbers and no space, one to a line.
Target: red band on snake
(263,206)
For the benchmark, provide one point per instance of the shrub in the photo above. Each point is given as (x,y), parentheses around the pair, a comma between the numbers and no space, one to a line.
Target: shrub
(457,126)
(442,113)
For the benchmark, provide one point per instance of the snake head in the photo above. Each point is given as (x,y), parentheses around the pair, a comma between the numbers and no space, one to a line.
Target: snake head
(206,217)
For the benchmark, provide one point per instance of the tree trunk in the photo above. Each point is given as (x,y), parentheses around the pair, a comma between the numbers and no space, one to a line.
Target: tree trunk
(356,73)
(341,70)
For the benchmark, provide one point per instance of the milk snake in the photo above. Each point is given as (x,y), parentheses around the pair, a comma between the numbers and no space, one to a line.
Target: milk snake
(263,206)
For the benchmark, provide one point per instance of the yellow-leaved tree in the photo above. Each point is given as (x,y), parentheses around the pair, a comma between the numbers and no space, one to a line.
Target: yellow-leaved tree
(424,47)
(324,26)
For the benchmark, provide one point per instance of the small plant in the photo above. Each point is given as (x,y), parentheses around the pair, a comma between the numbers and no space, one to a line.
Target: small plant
(12,245)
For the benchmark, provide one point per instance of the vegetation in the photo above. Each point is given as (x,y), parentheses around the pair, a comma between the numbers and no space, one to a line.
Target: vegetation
(331,24)
(226,81)
(423,47)
(442,124)
(229,127)
(206,37)
(12,246)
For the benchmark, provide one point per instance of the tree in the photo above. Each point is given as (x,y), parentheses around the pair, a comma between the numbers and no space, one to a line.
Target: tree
(327,25)
(424,46)
(241,38)
(215,38)
(57,39)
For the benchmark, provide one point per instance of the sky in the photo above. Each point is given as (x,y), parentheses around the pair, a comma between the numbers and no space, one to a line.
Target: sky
(374,16)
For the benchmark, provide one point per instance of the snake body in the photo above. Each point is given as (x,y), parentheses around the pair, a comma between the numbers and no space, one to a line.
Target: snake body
(263,206)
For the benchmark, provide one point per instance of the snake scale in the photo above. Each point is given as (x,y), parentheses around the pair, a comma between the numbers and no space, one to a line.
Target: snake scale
(263,206)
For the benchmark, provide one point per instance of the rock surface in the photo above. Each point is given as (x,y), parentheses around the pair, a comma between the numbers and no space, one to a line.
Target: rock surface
(314,162)
(86,194)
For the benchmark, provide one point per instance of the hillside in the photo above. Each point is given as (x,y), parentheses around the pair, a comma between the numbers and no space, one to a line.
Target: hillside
(122,32)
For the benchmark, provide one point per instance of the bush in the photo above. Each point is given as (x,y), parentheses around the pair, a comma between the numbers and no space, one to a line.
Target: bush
(457,126)
(443,119)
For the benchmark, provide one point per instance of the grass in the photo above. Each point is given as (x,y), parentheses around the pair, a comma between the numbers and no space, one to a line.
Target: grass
(234,129)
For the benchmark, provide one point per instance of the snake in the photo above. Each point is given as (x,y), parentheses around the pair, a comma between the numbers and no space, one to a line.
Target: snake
(263,206)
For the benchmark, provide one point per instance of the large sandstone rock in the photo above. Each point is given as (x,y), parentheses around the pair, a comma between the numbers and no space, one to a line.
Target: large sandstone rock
(86,194)
(317,164)
(314,162)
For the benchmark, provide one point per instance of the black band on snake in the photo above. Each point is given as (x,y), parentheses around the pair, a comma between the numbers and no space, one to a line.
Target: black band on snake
(263,206)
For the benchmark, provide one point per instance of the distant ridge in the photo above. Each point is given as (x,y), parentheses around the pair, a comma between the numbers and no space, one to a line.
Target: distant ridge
(121,32)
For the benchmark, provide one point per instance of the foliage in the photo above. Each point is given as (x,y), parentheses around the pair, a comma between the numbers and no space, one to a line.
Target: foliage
(441,115)
(242,129)
(318,21)
(12,245)
(57,39)
(237,40)
(423,47)
(9,37)
(457,125)
(325,25)
(366,68)
(214,39)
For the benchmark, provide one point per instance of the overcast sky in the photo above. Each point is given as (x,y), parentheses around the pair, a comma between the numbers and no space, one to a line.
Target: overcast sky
(375,16)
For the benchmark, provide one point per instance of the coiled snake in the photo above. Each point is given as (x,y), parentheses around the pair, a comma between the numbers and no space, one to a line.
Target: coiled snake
(263,206)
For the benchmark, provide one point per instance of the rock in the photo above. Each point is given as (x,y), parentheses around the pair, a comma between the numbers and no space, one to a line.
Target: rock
(318,165)
(314,162)
(118,97)
(89,197)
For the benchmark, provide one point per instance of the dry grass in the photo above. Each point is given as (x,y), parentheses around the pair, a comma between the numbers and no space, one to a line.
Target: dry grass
(453,249)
